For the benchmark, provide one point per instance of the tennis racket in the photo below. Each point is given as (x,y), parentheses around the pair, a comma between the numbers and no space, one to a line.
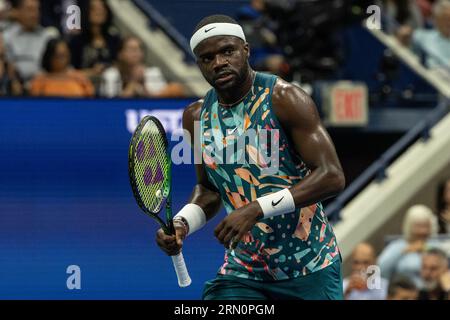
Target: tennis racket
(149,168)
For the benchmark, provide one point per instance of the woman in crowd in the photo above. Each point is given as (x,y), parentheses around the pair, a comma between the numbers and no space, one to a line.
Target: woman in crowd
(403,256)
(94,48)
(59,78)
(130,77)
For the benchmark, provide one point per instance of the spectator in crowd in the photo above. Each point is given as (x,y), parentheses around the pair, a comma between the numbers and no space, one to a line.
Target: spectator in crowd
(443,207)
(130,77)
(60,79)
(5,14)
(26,39)
(402,288)
(435,276)
(404,256)
(259,30)
(9,82)
(357,285)
(94,49)
(434,44)
(400,13)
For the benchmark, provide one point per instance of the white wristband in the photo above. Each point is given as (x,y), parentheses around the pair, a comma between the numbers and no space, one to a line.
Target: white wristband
(194,216)
(277,203)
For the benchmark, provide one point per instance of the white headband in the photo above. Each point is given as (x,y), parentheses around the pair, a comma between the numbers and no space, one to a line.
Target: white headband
(216,29)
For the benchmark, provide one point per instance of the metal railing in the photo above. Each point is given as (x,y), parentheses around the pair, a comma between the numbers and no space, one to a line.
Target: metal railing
(166,27)
(377,170)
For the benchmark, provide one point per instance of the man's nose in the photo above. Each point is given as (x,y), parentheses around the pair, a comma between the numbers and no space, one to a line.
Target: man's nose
(219,62)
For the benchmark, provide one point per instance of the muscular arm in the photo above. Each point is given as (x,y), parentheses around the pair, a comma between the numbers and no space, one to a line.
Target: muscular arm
(204,194)
(299,118)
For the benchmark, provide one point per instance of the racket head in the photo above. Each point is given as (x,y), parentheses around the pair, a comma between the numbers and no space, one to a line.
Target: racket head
(149,166)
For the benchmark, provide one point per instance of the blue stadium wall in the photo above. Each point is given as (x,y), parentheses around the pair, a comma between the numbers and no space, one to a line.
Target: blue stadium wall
(65,200)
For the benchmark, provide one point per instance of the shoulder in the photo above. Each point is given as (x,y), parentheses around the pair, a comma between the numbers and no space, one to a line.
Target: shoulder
(40,77)
(420,35)
(77,75)
(11,31)
(192,111)
(190,115)
(293,105)
(396,245)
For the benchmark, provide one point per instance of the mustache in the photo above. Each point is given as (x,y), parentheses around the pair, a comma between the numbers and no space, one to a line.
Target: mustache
(223,73)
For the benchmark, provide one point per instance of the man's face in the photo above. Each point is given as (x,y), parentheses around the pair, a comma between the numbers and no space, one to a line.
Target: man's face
(362,258)
(442,21)
(404,294)
(433,267)
(29,14)
(223,61)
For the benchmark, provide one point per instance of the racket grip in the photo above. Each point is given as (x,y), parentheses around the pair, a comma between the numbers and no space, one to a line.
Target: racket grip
(184,279)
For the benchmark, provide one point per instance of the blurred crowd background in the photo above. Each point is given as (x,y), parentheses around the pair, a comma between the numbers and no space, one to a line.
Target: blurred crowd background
(310,43)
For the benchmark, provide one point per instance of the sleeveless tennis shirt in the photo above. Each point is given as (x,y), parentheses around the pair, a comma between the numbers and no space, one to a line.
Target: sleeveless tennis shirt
(277,248)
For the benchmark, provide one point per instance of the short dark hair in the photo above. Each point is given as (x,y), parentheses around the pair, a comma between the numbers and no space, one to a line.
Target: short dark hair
(400,282)
(216,18)
(49,53)
(16,4)
(436,252)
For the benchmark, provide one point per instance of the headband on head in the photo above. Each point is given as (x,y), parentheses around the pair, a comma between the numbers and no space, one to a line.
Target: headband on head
(216,29)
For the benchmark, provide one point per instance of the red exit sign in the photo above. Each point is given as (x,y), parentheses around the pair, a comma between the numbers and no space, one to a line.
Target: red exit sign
(348,105)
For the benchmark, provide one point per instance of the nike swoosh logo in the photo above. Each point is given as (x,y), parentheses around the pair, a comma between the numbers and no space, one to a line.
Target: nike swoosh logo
(275,203)
(208,30)
(230,131)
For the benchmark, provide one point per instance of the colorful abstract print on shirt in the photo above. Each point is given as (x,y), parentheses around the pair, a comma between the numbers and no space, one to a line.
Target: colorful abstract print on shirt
(277,248)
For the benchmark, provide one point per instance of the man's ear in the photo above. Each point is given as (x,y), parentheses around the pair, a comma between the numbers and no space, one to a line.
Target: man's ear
(247,49)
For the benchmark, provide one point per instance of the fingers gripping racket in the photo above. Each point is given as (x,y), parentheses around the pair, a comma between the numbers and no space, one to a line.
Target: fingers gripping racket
(149,168)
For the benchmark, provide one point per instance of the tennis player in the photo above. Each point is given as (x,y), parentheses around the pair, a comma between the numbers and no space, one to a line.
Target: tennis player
(279,243)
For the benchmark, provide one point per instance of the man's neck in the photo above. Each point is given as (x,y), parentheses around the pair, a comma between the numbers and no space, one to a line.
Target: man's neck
(236,94)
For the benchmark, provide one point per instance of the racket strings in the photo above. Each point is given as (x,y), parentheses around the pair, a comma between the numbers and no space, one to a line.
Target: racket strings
(151,167)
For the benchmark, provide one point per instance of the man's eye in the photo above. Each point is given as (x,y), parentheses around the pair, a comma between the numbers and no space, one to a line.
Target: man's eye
(229,52)
(206,60)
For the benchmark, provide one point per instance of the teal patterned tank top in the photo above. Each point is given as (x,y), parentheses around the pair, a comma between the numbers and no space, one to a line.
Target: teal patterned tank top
(277,248)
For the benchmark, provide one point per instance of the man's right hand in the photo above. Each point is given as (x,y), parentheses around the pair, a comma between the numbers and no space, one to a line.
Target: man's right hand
(171,244)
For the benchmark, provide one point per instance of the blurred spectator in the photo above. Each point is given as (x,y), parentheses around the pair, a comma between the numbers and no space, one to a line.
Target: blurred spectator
(402,13)
(435,43)
(355,286)
(401,288)
(60,79)
(25,40)
(130,77)
(443,207)
(404,256)
(259,30)
(5,14)
(435,276)
(94,49)
(9,83)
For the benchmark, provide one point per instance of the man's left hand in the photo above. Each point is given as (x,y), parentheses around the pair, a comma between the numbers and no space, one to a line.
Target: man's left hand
(237,224)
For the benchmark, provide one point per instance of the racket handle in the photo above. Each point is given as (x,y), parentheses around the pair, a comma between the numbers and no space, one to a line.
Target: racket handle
(180,268)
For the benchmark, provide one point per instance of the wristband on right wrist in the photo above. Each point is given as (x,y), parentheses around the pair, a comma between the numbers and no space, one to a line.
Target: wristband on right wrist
(193,216)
